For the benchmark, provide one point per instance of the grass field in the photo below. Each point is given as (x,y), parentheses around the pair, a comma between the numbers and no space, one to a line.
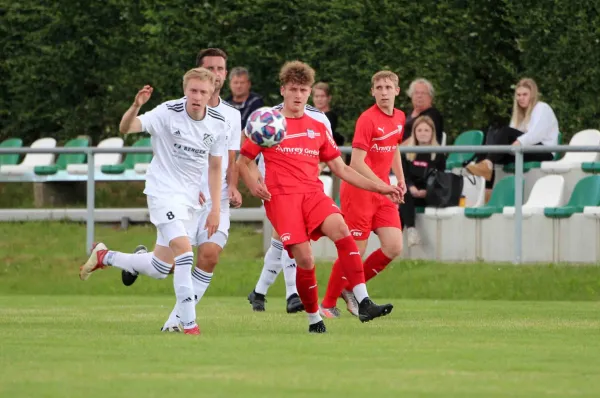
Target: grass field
(460,330)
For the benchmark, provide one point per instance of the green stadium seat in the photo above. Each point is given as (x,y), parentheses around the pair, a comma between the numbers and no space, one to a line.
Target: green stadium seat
(10,158)
(65,159)
(586,193)
(503,195)
(471,137)
(591,167)
(131,159)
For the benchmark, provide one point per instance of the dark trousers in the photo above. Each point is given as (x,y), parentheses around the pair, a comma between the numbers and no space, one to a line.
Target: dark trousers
(408,209)
(506,136)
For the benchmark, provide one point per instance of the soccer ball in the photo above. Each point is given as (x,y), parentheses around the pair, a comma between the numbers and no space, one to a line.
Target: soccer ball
(266,127)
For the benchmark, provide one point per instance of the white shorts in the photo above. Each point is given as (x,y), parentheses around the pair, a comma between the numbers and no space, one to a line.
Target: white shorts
(164,211)
(219,237)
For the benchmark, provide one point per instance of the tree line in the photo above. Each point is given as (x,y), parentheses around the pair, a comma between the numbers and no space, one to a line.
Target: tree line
(72,67)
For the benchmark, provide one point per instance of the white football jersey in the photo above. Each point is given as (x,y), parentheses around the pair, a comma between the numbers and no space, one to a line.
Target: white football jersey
(181,147)
(233,120)
(310,111)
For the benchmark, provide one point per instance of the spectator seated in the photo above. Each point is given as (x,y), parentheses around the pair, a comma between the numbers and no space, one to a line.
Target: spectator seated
(528,166)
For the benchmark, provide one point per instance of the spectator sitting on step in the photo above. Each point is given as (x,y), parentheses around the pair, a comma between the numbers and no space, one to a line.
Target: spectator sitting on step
(241,97)
(421,93)
(416,167)
(533,123)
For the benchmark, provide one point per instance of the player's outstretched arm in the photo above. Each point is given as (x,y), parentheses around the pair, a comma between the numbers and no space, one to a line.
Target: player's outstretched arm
(214,187)
(252,178)
(129,122)
(357,162)
(351,176)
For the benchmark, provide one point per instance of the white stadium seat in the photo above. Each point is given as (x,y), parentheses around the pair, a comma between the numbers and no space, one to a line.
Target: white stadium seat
(141,168)
(31,160)
(327,185)
(592,211)
(548,191)
(573,160)
(100,159)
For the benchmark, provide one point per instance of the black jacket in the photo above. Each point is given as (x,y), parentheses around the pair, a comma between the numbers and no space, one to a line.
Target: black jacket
(415,172)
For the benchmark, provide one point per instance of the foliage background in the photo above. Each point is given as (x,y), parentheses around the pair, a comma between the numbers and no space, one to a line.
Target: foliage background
(71,67)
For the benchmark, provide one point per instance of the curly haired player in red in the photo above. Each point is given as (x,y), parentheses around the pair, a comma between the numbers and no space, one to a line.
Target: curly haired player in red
(374,154)
(294,199)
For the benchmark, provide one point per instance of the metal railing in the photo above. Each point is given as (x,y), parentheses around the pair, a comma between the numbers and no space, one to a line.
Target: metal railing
(518,151)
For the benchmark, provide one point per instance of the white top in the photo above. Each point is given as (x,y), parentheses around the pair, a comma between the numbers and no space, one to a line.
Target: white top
(181,147)
(234,136)
(542,127)
(310,111)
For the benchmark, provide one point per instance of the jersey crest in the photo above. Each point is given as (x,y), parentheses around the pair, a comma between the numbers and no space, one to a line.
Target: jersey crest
(208,139)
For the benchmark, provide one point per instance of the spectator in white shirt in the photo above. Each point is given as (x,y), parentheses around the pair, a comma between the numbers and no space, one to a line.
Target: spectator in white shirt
(533,123)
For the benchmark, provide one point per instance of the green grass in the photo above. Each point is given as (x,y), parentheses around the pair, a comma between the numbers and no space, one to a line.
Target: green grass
(103,346)
(43,258)
(457,330)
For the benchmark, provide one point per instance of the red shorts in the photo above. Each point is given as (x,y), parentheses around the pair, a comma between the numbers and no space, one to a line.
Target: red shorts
(297,217)
(366,211)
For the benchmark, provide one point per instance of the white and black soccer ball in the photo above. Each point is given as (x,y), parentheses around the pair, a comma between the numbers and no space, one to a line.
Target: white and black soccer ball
(266,127)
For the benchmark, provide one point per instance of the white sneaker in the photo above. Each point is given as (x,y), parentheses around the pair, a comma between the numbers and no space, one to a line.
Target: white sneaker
(171,329)
(172,326)
(351,302)
(93,263)
(413,237)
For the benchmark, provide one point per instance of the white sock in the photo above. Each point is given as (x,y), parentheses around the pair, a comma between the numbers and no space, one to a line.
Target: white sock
(289,273)
(271,267)
(142,263)
(201,281)
(314,318)
(360,292)
(184,290)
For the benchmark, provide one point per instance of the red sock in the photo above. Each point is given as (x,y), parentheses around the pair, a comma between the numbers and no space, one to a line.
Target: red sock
(306,283)
(375,263)
(350,260)
(335,286)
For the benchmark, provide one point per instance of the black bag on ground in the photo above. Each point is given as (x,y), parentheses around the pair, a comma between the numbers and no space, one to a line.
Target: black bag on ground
(443,189)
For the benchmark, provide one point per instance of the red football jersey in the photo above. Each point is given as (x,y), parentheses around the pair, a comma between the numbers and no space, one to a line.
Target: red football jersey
(293,166)
(379,134)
